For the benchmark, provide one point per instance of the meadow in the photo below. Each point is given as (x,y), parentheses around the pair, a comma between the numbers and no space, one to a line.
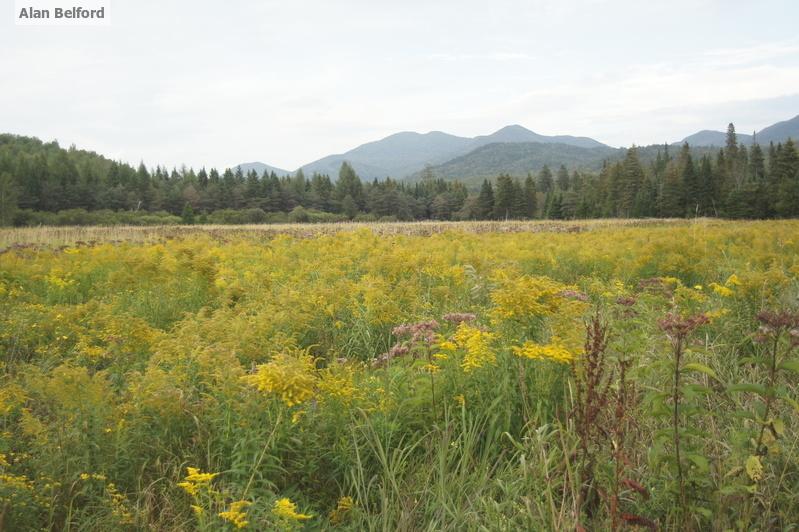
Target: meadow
(611,375)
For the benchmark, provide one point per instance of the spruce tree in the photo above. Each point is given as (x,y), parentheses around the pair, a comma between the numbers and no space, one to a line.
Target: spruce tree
(633,176)
(530,197)
(503,199)
(545,182)
(563,179)
(485,201)
(349,184)
(187,216)
(8,199)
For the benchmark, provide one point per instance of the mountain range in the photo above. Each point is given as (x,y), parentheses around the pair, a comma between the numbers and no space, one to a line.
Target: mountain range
(513,149)
(779,132)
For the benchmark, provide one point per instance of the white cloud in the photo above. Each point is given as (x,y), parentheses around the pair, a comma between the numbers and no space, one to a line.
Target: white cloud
(215,83)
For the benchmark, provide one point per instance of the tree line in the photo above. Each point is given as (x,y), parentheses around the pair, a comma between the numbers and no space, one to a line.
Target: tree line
(44,183)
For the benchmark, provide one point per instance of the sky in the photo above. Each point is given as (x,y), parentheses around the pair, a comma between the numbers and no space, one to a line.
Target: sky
(287,82)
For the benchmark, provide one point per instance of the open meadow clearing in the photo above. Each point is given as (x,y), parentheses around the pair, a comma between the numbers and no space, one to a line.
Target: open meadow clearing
(424,376)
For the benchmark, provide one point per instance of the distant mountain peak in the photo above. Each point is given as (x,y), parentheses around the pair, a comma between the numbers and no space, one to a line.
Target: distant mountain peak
(513,128)
(260,167)
(779,132)
(406,152)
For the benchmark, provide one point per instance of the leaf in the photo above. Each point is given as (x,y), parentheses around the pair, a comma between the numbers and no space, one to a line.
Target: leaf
(790,365)
(701,368)
(745,387)
(734,489)
(754,468)
(779,426)
(701,463)
(734,471)
(706,512)
(792,402)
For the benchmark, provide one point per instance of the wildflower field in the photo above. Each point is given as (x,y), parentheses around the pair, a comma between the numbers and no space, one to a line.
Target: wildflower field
(610,376)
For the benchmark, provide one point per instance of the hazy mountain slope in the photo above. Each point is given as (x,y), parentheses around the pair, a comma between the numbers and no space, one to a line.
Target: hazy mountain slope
(519,158)
(780,132)
(708,137)
(259,168)
(517,133)
(405,153)
(396,155)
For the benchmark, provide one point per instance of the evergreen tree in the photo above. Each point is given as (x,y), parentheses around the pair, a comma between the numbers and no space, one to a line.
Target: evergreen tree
(187,216)
(349,207)
(349,184)
(519,204)
(633,176)
(563,178)
(503,199)
(531,202)
(545,182)
(671,197)
(485,202)
(8,199)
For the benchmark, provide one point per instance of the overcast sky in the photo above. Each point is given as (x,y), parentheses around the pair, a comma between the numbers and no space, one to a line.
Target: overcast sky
(287,82)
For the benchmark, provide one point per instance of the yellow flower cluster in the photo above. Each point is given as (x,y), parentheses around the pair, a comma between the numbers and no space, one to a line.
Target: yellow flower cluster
(554,350)
(286,509)
(476,344)
(338,382)
(195,480)
(342,510)
(292,377)
(526,296)
(236,514)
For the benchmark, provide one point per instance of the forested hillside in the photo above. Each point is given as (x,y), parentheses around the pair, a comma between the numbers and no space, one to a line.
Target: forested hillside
(42,183)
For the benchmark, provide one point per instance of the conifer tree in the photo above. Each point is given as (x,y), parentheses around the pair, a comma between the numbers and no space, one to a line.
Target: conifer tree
(485,201)
(349,184)
(530,197)
(563,179)
(503,199)
(545,182)
(8,199)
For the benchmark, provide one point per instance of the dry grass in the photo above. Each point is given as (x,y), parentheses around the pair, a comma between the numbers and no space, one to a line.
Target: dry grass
(67,236)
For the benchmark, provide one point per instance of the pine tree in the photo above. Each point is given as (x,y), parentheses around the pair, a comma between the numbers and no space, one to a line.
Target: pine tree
(349,207)
(757,163)
(8,199)
(503,199)
(545,182)
(485,201)
(530,197)
(671,197)
(563,179)
(187,216)
(690,183)
(519,204)
(633,176)
(555,210)
(349,184)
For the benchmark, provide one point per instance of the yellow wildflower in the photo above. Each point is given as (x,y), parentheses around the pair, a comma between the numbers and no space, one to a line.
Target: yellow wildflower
(476,343)
(446,345)
(723,291)
(235,515)
(555,350)
(195,479)
(291,377)
(431,368)
(527,296)
(733,280)
(343,509)
(288,510)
